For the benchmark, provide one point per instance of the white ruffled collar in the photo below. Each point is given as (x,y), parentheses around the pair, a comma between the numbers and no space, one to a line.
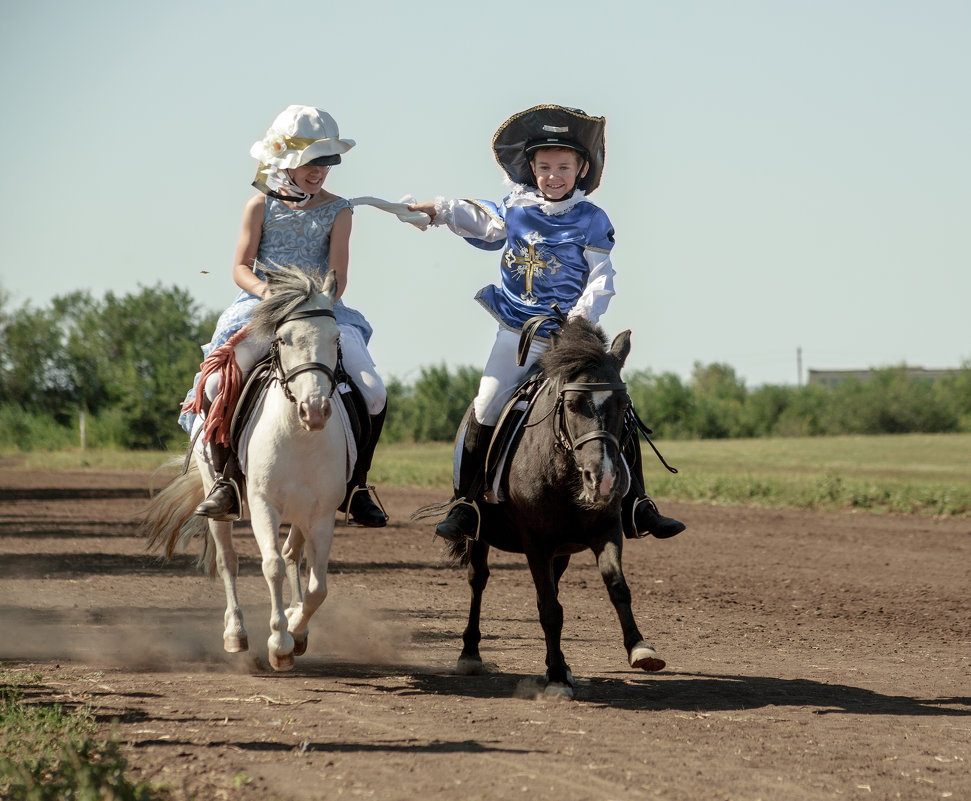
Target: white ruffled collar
(522,195)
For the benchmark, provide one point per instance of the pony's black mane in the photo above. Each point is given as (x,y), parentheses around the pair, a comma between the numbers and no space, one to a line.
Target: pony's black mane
(289,287)
(580,345)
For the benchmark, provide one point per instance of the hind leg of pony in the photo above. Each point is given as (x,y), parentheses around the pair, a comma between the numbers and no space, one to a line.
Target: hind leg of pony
(470,662)
(266,525)
(292,556)
(639,653)
(235,639)
(318,544)
(559,679)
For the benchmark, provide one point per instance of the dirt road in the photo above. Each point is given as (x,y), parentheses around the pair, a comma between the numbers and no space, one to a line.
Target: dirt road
(810,656)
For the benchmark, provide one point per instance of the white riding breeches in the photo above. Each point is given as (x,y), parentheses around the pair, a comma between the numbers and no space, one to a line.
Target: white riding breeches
(501,375)
(361,368)
(357,362)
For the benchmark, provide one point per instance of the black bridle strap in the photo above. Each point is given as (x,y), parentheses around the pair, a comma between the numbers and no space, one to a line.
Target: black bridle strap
(531,328)
(604,435)
(306,314)
(306,367)
(619,386)
(561,423)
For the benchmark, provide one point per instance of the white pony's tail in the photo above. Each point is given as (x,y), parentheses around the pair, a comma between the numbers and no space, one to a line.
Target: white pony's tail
(170,524)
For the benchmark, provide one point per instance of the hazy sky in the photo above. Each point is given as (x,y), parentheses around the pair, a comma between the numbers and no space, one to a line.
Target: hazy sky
(782,174)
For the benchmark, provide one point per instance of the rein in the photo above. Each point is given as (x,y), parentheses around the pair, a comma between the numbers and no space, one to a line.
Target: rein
(285,376)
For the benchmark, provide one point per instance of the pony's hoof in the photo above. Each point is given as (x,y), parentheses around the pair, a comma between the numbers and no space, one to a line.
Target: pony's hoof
(557,689)
(470,666)
(281,662)
(299,644)
(235,643)
(643,657)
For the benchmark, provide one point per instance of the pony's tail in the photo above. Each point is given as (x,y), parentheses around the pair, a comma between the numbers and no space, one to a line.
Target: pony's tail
(459,552)
(169,522)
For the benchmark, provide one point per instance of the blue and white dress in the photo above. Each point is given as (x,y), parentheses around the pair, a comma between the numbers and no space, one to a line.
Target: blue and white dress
(299,237)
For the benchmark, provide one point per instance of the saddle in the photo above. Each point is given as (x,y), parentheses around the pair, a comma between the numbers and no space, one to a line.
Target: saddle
(508,430)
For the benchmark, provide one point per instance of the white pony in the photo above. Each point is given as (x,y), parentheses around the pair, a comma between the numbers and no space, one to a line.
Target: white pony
(296,462)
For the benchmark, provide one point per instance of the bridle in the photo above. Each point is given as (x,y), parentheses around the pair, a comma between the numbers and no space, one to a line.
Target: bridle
(285,376)
(565,438)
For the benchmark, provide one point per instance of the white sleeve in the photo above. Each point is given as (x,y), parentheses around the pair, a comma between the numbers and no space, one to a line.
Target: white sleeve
(599,289)
(470,218)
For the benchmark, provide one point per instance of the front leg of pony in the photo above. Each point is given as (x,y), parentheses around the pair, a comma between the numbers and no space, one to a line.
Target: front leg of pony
(292,555)
(470,662)
(266,525)
(639,653)
(558,676)
(318,555)
(227,565)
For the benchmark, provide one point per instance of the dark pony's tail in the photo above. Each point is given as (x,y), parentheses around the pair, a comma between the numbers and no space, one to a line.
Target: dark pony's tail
(458,552)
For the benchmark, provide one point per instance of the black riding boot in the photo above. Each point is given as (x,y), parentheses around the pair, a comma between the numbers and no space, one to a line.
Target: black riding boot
(639,511)
(463,517)
(364,511)
(224,501)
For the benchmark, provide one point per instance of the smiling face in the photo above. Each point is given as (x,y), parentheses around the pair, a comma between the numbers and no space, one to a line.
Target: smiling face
(309,177)
(557,170)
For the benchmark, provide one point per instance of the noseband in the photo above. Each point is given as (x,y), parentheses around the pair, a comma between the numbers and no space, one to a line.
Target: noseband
(286,375)
(561,422)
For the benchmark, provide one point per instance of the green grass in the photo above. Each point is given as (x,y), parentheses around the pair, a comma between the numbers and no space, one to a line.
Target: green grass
(50,752)
(904,474)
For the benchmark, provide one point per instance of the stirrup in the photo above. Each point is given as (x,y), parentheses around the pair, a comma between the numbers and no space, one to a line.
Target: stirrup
(347,506)
(478,516)
(633,517)
(222,481)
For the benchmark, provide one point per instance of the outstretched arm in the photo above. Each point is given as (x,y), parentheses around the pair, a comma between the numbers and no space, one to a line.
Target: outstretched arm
(472,219)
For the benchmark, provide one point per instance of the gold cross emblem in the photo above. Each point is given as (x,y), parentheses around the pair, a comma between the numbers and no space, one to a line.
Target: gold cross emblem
(525,259)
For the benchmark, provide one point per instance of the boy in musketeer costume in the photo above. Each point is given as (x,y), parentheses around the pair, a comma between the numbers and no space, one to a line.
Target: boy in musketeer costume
(291,220)
(556,250)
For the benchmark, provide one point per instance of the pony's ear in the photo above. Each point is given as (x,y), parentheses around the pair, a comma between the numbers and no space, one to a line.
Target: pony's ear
(330,284)
(620,347)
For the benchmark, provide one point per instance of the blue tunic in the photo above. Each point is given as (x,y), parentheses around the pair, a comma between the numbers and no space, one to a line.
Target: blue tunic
(300,237)
(543,259)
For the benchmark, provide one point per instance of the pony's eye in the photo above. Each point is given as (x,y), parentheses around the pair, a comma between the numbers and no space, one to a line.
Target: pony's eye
(581,406)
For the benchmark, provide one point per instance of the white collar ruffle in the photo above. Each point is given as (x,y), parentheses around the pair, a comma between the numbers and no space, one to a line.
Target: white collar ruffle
(522,195)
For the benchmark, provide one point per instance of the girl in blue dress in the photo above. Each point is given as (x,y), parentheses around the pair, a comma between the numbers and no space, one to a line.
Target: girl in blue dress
(294,220)
(555,248)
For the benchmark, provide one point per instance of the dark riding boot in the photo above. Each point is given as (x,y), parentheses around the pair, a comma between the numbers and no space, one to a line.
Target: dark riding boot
(463,518)
(224,501)
(363,510)
(640,515)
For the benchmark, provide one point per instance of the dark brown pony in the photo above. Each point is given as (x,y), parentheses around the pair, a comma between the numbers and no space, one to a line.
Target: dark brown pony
(563,494)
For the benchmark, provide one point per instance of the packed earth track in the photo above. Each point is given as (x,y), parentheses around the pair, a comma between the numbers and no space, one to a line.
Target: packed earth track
(809,656)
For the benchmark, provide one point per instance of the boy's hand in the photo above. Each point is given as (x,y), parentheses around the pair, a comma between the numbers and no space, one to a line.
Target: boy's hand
(427,208)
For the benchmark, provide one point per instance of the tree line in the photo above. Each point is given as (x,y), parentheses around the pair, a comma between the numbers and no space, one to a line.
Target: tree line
(123,363)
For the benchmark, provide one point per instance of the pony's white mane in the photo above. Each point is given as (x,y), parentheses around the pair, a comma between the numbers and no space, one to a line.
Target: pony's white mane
(289,287)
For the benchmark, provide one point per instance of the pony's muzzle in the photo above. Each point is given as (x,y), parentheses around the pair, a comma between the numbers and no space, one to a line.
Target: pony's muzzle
(314,413)
(599,479)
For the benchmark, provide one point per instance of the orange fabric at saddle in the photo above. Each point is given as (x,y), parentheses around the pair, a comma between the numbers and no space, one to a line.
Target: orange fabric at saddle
(219,417)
